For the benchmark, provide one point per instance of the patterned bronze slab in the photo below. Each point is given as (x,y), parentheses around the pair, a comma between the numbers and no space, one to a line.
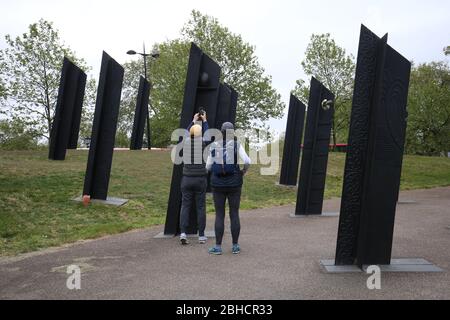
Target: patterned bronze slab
(374,155)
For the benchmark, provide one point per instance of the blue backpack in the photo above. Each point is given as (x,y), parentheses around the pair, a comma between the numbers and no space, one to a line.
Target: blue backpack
(224,168)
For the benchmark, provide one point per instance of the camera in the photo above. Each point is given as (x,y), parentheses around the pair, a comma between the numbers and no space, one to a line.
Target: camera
(201,113)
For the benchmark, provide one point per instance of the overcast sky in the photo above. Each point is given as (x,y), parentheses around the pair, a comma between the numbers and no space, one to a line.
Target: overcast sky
(280,29)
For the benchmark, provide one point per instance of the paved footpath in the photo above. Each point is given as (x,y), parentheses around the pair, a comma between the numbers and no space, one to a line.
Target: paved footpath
(279,260)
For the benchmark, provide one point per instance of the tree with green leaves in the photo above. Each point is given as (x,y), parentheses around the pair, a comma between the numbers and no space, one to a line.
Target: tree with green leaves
(428,130)
(168,77)
(447,50)
(2,91)
(2,85)
(31,70)
(331,65)
(14,135)
(128,102)
(258,100)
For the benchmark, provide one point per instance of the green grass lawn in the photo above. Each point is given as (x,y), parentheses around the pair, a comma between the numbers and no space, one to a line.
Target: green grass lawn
(36,210)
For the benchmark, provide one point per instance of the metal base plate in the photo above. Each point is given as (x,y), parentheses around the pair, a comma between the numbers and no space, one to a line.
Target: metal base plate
(111,201)
(406,202)
(324,214)
(330,267)
(161,235)
(397,265)
(286,185)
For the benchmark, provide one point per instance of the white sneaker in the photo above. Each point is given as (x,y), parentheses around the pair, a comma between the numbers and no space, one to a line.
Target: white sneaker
(202,240)
(183,239)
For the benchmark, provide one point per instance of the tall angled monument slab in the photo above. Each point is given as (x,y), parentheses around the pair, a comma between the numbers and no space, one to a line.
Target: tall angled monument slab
(313,169)
(140,115)
(104,127)
(201,91)
(223,105)
(233,105)
(66,124)
(226,108)
(374,156)
(292,142)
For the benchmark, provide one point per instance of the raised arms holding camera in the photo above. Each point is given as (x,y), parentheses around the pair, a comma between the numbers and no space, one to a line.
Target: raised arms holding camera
(200,117)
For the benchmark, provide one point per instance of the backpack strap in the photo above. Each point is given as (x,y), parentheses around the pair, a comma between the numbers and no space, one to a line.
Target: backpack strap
(236,152)
(223,153)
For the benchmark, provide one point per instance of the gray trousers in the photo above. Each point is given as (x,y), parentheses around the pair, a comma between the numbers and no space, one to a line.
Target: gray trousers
(234,201)
(193,190)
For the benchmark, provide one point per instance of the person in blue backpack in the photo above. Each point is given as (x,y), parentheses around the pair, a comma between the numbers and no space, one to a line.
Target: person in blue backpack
(226,183)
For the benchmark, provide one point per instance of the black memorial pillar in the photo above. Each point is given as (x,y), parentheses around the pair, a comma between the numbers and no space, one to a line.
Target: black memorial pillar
(140,114)
(313,171)
(226,108)
(374,156)
(223,105)
(66,123)
(104,129)
(292,142)
(233,106)
(201,91)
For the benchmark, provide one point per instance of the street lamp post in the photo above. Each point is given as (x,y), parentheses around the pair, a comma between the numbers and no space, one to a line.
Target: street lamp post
(154,54)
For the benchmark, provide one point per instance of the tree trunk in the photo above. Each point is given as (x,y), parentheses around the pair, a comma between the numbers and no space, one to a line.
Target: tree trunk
(47,100)
(334,133)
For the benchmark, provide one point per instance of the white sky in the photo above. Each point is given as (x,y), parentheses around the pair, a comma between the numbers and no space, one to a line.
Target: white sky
(280,30)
